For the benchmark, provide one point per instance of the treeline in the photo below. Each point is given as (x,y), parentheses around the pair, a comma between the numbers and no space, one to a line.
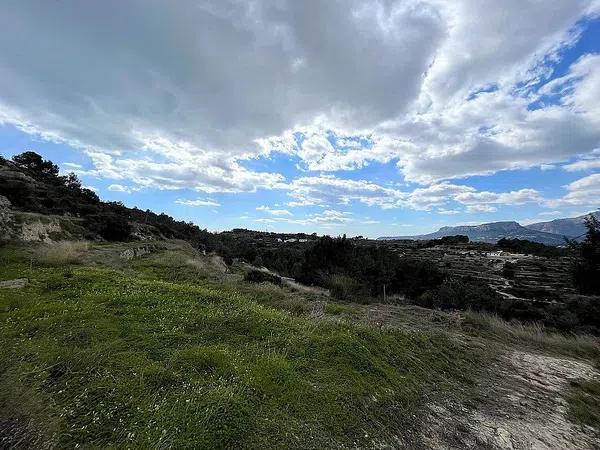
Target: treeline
(365,270)
(531,248)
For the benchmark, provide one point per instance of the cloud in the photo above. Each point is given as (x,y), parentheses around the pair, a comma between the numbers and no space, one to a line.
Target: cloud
(447,212)
(197,202)
(582,192)
(120,188)
(481,209)
(72,166)
(182,95)
(205,174)
(328,189)
(499,131)
(214,76)
(326,218)
(583,164)
(519,197)
(274,212)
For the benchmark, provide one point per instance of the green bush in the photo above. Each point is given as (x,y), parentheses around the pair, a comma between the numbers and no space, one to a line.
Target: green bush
(259,276)
(111,227)
(342,287)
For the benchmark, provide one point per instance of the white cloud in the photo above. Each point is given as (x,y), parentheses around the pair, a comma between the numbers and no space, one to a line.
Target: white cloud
(332,190)
(326,218)
(448,212)
(481,209)
(179,95)
(328,189)
(119,188)
(204,174)
(583,164)
(274,212)
(582,192)
(73,166)
(197,202)
(519,197)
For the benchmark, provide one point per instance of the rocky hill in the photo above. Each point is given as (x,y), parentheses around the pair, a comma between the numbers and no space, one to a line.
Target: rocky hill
(572,227)
(490,232)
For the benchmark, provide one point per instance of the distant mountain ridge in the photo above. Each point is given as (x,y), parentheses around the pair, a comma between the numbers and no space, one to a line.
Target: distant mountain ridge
(549,233)
(572,227)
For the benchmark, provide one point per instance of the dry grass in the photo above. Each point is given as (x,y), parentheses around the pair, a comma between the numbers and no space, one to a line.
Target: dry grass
(533,335)
(61,253)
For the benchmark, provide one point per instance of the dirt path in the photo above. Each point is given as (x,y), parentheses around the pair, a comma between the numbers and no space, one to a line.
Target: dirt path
(524,411)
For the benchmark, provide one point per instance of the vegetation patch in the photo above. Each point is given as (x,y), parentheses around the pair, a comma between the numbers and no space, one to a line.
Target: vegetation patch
(113,359)
(61,253)
(584,403)
(261,276)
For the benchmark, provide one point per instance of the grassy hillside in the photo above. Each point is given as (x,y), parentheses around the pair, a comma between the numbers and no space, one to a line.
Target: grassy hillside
(141,356)
(174,350)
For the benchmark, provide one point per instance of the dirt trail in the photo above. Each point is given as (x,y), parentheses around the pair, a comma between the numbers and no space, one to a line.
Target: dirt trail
(526,411)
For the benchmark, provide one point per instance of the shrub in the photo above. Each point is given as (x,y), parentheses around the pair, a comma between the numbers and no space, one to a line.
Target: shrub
(61,253)
(509,270)
(586,271)
(111,227)
(460,294)
(342,287)
(259,276)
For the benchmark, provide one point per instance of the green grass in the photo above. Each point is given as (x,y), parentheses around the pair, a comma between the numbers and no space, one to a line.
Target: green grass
(103,358)
(336,309)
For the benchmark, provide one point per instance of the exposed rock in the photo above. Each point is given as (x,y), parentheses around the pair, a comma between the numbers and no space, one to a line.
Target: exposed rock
(144,232)
(528,412)
(6,219)
(14,284)
(39,230)
(136,252)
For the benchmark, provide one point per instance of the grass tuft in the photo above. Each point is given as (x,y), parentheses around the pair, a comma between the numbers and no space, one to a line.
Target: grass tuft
(584,403)
(532,335)
(61,253)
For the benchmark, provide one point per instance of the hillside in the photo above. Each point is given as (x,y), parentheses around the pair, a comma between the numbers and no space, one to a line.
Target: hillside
(490,232)
(115,345)
(573,227)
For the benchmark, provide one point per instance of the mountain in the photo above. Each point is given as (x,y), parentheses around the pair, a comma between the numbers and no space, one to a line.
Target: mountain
(572,227)
(490,232)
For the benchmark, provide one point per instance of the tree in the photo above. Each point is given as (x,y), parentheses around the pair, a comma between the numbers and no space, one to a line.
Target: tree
(34,162)
(586,272)
(72,182)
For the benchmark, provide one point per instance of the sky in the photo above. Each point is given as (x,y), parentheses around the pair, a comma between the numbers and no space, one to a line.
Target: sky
(367,118)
